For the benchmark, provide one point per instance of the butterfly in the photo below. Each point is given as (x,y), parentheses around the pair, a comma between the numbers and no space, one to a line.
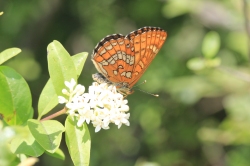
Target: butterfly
(122,60)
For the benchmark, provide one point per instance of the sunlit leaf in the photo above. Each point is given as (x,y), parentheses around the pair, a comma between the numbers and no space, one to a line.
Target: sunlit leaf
(8,53)
(57,154)
(47,133)
(79,60)
(15,97)
(211,44)
(78,142)
(25,143)
(196,64)
(48,99)
(61,66)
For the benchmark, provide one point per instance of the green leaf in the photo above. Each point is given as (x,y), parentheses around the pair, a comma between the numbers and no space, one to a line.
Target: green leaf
(25,143)
(48,99)
(47,133)
(78,142)
(61,66)
(202,63)
(8,53)
(58,154)
(15,97)
(79,60)
(211,44)
(196,64)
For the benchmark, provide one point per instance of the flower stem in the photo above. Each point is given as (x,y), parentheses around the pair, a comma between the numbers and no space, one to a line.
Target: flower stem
(61,112)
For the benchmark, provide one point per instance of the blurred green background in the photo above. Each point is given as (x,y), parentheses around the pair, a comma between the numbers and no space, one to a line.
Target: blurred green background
(202,116)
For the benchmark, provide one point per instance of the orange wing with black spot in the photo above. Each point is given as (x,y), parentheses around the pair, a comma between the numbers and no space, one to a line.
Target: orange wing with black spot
(123,59)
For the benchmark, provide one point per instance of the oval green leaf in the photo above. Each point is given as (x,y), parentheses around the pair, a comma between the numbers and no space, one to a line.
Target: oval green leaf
(25,143)
(58,154)
(78,142)
(48,99)
(8,53)
(15,97)
(47,133)
(211,44)
(196,64)
(79,60)
(61,66)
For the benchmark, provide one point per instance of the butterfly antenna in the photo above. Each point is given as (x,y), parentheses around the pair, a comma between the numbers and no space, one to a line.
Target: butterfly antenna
(155,95)
(140,83)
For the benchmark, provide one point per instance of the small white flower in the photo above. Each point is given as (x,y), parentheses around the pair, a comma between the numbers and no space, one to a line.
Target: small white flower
(62,100)
(64,91)
(79,89)
(97,128)
(101,106)
(70,84)
(85,114)
(124,108)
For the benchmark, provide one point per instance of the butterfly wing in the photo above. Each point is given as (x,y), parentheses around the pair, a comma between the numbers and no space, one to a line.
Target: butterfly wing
(113,58)
(147,42)
(124,59)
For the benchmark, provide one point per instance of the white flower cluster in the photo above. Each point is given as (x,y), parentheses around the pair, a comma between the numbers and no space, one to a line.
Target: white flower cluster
(102,105)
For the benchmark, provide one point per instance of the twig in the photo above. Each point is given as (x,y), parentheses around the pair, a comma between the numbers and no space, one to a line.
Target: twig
(61,112)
